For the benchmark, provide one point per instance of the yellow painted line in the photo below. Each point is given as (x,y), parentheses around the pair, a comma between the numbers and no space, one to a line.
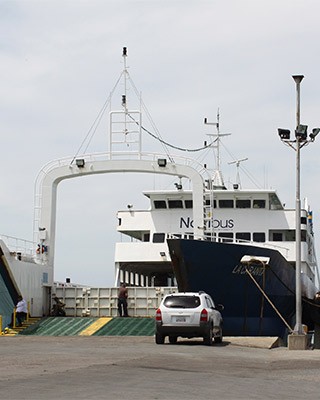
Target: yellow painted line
(95,326)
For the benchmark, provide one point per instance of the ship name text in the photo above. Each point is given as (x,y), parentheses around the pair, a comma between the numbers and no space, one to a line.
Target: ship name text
(256,270)
(217,223)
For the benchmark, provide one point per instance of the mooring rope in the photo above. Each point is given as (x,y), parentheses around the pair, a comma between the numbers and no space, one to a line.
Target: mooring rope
(270,302)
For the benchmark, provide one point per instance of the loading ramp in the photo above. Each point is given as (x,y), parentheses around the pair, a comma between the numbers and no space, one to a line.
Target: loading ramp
(91,326)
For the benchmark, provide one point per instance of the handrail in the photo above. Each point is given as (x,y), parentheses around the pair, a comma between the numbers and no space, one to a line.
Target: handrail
(18,245)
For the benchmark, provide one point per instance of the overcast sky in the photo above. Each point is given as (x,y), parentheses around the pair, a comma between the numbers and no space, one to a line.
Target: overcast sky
(59,60)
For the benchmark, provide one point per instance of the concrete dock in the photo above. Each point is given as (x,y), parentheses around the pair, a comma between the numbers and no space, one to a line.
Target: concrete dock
(80,367)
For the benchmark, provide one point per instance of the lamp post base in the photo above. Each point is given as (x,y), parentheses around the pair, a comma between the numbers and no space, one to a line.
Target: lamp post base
(297,342)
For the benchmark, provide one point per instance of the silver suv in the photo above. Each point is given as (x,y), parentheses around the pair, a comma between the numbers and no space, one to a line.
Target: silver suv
(188,315)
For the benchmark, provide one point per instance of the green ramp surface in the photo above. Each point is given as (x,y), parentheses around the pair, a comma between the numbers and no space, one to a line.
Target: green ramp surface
(58,326)
(128,327)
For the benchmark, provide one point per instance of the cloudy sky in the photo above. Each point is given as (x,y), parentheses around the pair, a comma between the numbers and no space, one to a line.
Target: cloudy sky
(59,60)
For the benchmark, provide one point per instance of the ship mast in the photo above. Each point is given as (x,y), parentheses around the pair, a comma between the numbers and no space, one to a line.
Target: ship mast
(217,178)
(125,124)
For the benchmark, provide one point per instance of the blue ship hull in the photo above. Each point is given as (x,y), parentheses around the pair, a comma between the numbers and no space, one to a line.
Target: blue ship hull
(216,268)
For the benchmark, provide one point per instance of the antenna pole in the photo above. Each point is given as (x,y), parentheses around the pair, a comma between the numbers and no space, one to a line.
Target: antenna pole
(218,141)
(217,177)
(125,72)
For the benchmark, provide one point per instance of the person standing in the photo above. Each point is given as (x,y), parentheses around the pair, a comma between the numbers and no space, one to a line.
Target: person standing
(122,300)
(21,311)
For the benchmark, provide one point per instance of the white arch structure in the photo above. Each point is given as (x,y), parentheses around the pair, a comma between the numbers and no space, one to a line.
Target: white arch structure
(49,184)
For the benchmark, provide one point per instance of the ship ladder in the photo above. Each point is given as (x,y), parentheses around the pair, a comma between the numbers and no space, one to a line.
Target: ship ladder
(208,215)
(269,301)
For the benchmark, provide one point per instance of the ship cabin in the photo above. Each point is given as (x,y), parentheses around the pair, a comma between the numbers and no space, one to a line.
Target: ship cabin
(255,217)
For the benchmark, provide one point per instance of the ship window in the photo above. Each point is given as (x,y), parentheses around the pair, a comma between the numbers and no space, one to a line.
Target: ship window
(158,237)
(243,203)
(243,236)
(259,204)
(259,237)
(290,235)
(160,204)
(303,235)
(119,221)
(188,203)
(304,220)
(226,203)
(146,237)
(225,236)
(277,237)
(175,203)
(214,203)
(287,235)
(275,202)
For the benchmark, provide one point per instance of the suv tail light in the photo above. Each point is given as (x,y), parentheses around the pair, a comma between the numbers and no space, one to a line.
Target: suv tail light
(158,315)
(204,315)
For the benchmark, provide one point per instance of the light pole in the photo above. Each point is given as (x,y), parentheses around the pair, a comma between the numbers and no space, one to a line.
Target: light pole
(300,140)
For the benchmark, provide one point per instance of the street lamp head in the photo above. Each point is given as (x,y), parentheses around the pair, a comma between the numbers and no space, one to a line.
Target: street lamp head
(314,133)
(284,133)
(301,132)
(297,78)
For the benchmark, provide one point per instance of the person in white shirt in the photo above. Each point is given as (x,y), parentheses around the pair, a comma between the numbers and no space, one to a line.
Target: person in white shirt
(21,311)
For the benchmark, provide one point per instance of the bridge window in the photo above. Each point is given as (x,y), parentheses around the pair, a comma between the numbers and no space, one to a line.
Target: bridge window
(243,203)
(175,204)
(188,203)
(259,203)
(160,204)
(274,202)
(226,203)
(214,204)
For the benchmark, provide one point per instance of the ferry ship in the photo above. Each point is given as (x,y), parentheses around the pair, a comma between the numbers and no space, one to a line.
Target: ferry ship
(236,244)
(242,251)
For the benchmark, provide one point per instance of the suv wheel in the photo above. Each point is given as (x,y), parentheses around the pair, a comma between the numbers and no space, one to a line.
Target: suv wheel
(207,339)
(218,339)
(159,338)
(173,339)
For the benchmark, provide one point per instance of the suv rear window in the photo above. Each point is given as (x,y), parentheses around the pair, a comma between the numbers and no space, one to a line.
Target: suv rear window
(182,301)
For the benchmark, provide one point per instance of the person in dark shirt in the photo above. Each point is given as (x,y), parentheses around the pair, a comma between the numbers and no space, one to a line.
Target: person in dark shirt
(122,300)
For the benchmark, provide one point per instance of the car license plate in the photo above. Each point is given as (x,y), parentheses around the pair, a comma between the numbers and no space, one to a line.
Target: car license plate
(180,319)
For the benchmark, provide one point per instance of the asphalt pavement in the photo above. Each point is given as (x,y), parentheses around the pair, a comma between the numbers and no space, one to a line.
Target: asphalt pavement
(135,368)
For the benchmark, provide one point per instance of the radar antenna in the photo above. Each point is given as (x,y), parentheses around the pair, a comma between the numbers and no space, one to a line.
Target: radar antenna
(237,162)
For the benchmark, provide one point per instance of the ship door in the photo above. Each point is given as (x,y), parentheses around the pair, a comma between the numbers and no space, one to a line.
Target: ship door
(46,301)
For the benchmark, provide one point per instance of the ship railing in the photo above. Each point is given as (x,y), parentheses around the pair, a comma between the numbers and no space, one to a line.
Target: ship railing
(265,244)
(214,238)
(21,248)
